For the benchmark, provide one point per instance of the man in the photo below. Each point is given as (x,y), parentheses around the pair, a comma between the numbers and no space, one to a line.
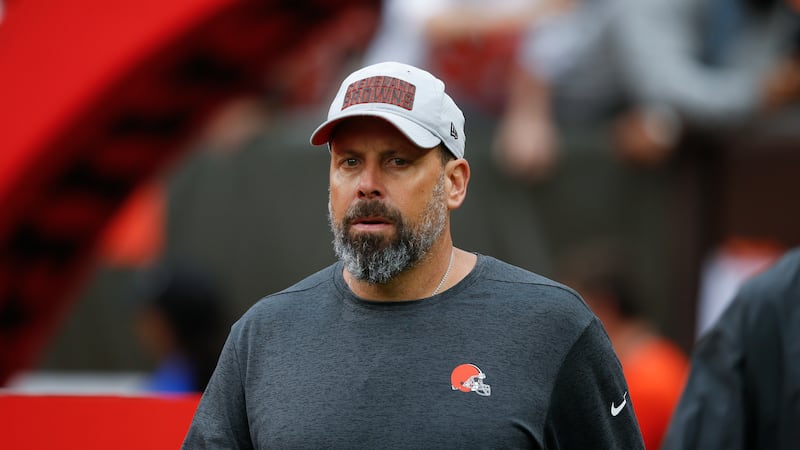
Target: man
(407,341)
(743,386)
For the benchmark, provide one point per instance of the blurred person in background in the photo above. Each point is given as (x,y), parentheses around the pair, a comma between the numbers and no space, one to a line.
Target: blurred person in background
(181,323)
(711,66)
(743,390)
(650,70)
(654,366)
(564,78)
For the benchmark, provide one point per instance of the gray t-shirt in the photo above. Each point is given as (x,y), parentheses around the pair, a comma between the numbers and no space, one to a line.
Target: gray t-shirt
(504,359)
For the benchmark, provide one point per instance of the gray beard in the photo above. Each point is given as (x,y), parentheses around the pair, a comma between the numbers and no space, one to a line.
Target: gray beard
(377,260)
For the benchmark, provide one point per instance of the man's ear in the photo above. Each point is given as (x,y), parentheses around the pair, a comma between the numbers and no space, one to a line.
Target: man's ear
(456,179)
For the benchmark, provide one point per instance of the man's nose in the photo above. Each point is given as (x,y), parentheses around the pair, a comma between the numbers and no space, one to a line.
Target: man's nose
(369,185)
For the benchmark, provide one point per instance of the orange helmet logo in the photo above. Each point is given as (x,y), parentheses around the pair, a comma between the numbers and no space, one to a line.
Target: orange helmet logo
(469,378)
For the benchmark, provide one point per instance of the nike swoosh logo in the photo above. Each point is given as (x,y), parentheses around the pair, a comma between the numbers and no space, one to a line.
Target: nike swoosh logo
(615,410)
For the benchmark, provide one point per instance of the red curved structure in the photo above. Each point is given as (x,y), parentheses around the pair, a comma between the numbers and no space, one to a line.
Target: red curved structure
(96,97)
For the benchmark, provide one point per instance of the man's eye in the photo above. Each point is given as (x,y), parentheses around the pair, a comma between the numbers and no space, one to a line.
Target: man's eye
(350,162)
(399,162)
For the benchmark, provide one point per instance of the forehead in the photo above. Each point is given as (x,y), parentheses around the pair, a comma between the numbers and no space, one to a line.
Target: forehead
(369,131)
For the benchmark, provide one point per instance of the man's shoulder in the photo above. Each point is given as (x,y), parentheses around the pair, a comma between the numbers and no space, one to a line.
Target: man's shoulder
(523,289)
(767,302)
(776,287)
(312,281)
(503,272)
(524,297)
(295,294)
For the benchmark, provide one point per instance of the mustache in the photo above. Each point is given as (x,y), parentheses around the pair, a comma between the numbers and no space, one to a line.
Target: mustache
(371,208)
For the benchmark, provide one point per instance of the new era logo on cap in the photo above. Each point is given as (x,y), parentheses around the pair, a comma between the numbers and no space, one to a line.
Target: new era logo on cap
(411,99)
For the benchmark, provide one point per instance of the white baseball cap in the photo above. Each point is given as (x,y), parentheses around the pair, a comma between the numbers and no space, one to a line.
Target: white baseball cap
(409,98)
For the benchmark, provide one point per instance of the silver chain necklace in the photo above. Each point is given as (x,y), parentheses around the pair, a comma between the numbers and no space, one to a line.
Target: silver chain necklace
(446,273)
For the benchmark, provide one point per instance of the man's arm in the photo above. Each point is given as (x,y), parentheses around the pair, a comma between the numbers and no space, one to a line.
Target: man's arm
(221,417)
(590,406)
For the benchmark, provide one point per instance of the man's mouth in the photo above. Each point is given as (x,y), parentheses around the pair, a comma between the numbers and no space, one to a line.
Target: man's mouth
(370,223)
(371,220)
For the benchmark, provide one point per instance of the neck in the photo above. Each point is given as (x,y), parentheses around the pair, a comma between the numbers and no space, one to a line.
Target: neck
(446,272)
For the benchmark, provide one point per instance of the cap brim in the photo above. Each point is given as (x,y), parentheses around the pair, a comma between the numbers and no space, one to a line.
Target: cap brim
(417,134)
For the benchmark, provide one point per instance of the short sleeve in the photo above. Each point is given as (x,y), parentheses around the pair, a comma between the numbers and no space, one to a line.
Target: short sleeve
(590,405)
(220,420)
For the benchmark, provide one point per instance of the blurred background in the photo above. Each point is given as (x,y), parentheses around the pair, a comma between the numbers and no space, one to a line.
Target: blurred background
(156,178)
